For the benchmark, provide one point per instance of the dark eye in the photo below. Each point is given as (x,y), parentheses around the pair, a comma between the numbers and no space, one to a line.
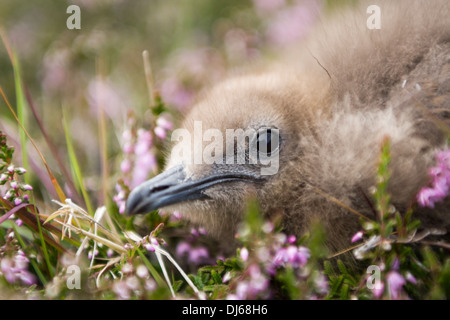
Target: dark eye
(268,141)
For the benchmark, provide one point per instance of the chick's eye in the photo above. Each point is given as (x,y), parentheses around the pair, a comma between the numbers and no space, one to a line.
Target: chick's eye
(268,141)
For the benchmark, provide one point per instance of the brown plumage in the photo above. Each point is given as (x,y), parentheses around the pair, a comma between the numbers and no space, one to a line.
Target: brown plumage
(339,94)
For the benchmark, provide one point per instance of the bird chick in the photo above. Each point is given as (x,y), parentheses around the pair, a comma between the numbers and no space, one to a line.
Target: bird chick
(321,118)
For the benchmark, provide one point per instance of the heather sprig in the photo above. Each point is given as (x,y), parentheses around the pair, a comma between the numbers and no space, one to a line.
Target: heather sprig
(269,265)
(141,149)
(14,191)
(387,247)
(383,237)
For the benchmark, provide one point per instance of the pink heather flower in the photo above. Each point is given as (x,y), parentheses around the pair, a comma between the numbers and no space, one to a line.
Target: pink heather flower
(267,227)
(132,283)
(145,159)
(396,264)
(3,177)
(27,187)
(244,254)
(8,195)
(410,278)
(252,287)
(27,278)
(119,199)
(149,247)
(194,255)
(292,255)
(142,168)
(183,248)
(17,269)
(291,239)
(358,236)
(175,216)
(6,265)
(226,277)
(128,148)
(258,282)
(19,222)
(154,241)
(17,201)
(128,246)
(7,268)
(14,185)
(150,285)
(127,268)
(127,136)
(321,284)
(263,254)
(424,197)
(21,170)
(121,289)
(378,289)
(194,232)
(160,132)
(11,169)
(198,255)
(125,166)
(122,207)
(395,283)
(165,121)
(142,271)
(440,181)
(144,142)
(242,290)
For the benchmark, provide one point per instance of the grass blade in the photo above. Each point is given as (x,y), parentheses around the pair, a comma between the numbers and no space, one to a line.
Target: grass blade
(55,183)
(151,268)
(44,246)
(76,167)
(21,112)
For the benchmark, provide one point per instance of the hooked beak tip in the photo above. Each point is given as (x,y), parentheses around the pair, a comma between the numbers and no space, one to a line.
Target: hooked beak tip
(132,205)
(172,187)
(154,193)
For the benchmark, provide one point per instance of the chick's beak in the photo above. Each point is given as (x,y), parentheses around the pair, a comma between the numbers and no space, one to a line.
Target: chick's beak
(172,186)
(165,189)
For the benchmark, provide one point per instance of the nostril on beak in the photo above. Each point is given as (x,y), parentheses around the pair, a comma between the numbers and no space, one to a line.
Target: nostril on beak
(158,188)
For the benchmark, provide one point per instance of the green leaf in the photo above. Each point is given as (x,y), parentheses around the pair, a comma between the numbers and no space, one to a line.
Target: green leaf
(328,269)
(177,285)
(336,285)
(216,277)
(342,267)
(345,295)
